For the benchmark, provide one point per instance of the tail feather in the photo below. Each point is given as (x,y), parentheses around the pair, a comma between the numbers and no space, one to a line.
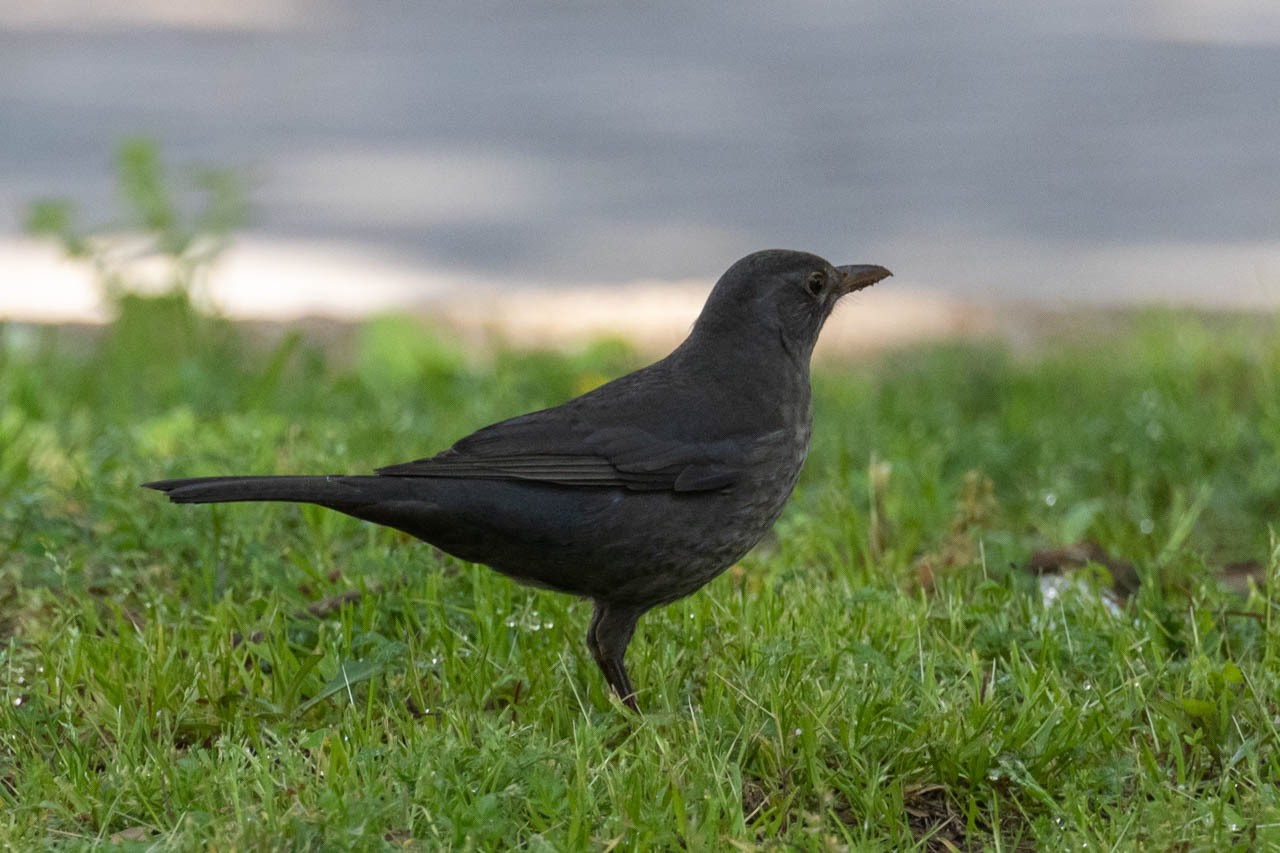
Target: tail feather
(332,491)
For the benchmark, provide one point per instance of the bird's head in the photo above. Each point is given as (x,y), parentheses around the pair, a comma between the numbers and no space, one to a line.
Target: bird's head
(777,291)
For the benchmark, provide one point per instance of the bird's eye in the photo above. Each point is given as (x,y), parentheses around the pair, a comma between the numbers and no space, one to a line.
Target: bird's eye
(816,281)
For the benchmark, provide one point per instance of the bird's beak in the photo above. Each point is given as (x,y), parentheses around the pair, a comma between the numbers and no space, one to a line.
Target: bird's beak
(857,277)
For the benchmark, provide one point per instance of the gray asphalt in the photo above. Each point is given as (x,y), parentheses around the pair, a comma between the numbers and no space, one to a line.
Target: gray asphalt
(584,142)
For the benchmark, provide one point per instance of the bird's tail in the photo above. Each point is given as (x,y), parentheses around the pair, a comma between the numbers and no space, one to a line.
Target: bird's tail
(338,492)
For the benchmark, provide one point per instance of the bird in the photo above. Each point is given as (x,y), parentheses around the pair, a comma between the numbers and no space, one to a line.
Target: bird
(634,494)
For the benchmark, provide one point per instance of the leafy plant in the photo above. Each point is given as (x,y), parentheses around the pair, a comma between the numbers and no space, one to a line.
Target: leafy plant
(171,230)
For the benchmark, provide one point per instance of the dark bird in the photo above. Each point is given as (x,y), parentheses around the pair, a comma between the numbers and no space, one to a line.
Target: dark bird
(634,494)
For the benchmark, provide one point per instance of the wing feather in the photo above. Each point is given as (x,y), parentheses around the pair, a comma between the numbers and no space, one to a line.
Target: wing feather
(567,452)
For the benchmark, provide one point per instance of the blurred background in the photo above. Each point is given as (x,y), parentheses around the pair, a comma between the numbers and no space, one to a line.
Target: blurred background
(404,155)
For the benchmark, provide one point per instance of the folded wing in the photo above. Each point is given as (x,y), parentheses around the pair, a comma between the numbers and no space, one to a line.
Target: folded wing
(558,446)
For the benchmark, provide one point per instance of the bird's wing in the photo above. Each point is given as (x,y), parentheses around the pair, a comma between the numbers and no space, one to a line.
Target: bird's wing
(554,446)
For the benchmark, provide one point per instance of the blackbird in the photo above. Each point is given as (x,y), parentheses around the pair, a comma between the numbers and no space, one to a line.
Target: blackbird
(634,494)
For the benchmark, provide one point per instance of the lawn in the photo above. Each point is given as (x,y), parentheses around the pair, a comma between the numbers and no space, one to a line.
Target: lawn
(884,672)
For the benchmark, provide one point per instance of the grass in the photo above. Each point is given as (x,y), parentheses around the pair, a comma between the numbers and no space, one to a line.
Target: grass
(882,673)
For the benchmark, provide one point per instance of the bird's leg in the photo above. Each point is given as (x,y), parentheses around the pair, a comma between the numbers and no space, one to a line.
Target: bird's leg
(592,645)
(607,638)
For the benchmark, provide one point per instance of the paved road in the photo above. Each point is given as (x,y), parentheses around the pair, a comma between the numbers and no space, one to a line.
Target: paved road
(1042,151)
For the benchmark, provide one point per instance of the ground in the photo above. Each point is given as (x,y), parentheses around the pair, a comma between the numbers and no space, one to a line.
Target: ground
(1020,600)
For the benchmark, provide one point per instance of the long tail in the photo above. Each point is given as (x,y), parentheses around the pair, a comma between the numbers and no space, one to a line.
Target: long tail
(337,492)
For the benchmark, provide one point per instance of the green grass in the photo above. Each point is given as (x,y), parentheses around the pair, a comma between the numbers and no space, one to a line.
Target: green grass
(881,673)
